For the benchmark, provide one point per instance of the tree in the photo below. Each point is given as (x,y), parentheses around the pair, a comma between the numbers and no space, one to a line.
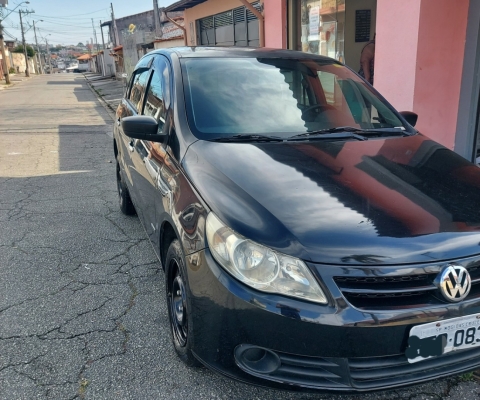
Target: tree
(80,44)
(19,49)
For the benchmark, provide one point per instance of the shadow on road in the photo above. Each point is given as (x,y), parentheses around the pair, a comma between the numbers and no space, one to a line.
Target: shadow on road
(82,94)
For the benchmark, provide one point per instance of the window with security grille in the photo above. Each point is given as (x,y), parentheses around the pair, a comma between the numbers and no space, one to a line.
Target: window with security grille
(237,27)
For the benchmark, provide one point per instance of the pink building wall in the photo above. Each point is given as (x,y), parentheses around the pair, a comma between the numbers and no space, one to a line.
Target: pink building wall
(441,47)
(275,12)
(395,54)
(419,60)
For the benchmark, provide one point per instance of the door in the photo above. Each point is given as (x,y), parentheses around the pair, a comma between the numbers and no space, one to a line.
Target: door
(157,191)
(131,149)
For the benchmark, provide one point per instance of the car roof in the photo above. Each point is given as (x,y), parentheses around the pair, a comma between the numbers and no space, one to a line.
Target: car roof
(221,52)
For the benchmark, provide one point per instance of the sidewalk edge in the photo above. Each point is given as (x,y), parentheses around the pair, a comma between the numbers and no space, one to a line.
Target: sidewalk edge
(110,111)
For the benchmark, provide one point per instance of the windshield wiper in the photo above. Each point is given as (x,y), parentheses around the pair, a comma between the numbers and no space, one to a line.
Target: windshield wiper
(362,134)
(329,136)
(339,132)
(248,138)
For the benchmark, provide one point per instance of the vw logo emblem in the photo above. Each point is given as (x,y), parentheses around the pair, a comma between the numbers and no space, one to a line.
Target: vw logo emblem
(454,282)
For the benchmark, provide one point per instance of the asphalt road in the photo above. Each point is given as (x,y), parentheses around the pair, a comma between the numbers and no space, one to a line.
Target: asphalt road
(82,308)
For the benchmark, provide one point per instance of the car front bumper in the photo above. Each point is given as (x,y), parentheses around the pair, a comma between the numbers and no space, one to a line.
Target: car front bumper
(274,341)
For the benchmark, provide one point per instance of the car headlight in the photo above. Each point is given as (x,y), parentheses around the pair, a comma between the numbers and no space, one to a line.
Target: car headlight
(260,267)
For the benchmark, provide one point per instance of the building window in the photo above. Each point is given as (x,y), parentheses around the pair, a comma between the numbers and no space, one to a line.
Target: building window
(318,27)
(237,27)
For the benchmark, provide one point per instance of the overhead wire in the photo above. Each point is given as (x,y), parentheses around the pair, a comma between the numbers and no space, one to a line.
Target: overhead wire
(55,25)
(75,15)
(8,34)
(76,26)
(66,16)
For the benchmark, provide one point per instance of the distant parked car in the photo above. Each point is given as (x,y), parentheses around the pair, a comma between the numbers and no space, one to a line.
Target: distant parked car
(82,67)
(311,238)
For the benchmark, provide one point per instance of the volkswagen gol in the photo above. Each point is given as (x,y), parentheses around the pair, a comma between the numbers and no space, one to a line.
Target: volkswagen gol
(311,238)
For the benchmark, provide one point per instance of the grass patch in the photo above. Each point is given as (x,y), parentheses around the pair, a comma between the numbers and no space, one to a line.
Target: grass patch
(467,377)
(82,388)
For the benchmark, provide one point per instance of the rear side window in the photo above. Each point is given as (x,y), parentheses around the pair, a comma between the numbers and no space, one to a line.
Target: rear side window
(157,98)
(138,89)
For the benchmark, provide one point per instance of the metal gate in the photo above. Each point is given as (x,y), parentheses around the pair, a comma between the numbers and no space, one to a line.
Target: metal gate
(237,27)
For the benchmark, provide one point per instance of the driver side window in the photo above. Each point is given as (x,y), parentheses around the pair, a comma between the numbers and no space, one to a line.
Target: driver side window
(156,100)
(138,89)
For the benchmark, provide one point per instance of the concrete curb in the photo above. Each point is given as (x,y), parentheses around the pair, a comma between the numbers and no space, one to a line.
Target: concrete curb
(14,82)
(105,105)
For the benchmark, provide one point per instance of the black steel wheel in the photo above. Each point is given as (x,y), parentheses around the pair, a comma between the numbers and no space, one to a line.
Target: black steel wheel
(178,303)
(126,205)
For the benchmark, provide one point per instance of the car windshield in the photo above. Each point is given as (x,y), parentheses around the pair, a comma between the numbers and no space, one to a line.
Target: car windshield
(278,97)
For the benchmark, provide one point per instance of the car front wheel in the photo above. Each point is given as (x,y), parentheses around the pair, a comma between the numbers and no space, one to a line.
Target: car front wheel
(178,303)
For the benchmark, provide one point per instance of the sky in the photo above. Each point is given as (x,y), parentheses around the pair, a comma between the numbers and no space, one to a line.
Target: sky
(68,22)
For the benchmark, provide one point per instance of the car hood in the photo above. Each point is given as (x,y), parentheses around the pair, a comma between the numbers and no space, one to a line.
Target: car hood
(382,201)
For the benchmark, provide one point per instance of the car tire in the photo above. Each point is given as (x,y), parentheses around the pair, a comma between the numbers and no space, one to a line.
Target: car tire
(126,205)
(178,304)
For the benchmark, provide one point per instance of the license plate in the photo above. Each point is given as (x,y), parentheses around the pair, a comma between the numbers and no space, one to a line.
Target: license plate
(437,338)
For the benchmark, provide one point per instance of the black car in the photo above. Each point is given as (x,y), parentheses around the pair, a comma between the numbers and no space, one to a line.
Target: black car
(311,238)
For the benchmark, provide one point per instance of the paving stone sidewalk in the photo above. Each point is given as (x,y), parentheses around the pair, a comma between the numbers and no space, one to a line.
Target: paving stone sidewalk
(108,89)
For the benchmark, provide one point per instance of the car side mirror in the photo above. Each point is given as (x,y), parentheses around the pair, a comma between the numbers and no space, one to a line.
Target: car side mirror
(410,117)
(142,127)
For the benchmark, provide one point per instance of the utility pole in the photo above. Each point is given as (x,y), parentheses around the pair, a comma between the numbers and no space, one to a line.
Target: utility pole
(95,36)
(27,72)
(38,49)
(4,56)
(96,42)
(92,63)
(156,15)
(49,58)
(103,48)
(115,31)
(103,40)
(2,44)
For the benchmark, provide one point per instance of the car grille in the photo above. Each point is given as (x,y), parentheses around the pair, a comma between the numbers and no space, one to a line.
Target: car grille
(299,370)
(397,292)
(374,372)
(359,374)
(310,372)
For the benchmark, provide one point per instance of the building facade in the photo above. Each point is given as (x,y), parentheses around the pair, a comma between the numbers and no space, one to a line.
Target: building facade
(171,33)
(133,36)
(427,52)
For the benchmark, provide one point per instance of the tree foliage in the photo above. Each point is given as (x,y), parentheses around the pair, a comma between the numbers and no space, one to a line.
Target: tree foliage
(19,49)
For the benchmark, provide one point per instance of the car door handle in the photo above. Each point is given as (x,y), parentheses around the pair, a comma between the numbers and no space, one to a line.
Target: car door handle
(130,146)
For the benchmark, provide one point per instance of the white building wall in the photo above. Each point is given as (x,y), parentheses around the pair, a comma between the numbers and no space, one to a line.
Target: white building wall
(169,43)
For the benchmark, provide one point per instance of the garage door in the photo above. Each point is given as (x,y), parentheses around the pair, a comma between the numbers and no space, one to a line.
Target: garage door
(237,27)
